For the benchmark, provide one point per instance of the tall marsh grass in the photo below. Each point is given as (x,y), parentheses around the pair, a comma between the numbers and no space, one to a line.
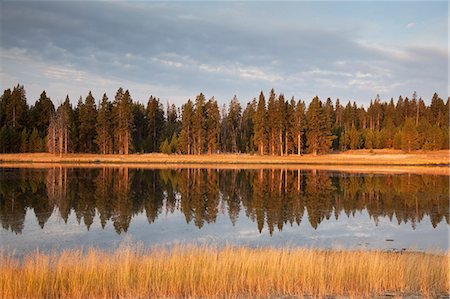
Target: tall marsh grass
(190,271)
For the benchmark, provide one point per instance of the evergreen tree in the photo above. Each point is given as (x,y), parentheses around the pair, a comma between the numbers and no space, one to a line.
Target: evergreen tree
(318,132)
(122,122)
(273,122)
(24,141)
(35,143)
(16,108)
(155,119)
(233,124)
(87,118)
(186,140)
(41,113)
(104,138)
(140,127)
(199,124)
(260,138)
(410,136)
(212,126)
(247,128)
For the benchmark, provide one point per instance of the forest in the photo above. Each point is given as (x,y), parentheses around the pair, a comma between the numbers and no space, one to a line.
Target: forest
(272,126)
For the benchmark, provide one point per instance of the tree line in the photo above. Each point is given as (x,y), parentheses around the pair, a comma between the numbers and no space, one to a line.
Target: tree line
(275,126)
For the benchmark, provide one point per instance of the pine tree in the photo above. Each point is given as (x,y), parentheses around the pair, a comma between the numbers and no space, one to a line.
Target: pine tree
(318,132)
(24,141)
(233,123)
(212,126)
(122,122)
(273,122)
(410,136)
(185,142)
(41,113)
(156,123)
(17,108)
(260,138)
(247,128)
(104,138)
(199,124)
(35,143)
(87,118)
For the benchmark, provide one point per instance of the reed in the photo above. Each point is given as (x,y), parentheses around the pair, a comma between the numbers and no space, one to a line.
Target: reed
(206,271)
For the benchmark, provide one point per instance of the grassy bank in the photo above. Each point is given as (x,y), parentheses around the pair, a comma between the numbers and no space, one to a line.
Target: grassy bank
(227,272)
(358,157)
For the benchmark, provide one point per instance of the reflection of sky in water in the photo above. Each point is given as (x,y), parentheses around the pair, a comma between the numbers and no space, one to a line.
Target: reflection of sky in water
(358,231)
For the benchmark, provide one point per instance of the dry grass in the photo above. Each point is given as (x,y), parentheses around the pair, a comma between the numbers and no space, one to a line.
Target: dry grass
(228,272)
(357,157)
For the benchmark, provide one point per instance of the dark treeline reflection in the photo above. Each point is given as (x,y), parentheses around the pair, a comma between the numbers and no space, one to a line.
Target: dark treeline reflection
(271,198)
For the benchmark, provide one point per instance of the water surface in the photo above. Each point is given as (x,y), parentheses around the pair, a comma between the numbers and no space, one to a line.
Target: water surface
(62,207)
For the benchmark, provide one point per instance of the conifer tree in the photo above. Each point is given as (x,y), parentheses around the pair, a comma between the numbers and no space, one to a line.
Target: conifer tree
(260,138)
(87,118)
(212,126)
(185,142)
(233,123)
(35,143)
(24,141)
(104,138)
(41,113)
(199,124)
(122,122)
(273,122)
(155,119)
(410,136)
(318,132)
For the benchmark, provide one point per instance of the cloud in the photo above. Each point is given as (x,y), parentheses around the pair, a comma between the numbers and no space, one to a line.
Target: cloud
(176,50)
(410,25)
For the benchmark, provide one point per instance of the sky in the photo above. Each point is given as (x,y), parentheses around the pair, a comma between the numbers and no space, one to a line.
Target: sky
(175,50)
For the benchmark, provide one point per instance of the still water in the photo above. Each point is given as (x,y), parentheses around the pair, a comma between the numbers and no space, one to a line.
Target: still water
(58,208)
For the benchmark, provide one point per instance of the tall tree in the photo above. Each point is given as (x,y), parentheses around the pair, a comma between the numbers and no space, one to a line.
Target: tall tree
(212,126)
(122,122)
(199,124)
(41,113)
(260,138)
(318,132)
(410,136)
(233,123)
(87,118)
(273,122)
(17,108)
(104,138)
(186,140)
(156,124)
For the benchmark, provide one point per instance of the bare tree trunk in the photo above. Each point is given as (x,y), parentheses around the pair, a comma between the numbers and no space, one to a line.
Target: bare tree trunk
(299,150)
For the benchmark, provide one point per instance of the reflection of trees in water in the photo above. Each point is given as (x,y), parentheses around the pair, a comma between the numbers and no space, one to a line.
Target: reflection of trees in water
(269,197)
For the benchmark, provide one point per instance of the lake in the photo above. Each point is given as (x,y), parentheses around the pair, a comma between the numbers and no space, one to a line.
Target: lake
(64,207)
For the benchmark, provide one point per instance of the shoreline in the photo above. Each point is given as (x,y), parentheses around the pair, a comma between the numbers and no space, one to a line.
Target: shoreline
(360,161)
(357,157)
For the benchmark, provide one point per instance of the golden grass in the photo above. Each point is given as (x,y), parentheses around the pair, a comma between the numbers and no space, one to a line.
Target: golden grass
(356,157)
(190,271)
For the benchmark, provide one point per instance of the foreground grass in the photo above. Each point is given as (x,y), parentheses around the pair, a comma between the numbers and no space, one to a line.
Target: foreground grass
(228,272)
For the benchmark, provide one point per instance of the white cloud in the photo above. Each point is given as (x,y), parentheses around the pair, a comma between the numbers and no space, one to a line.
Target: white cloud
(410,25)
